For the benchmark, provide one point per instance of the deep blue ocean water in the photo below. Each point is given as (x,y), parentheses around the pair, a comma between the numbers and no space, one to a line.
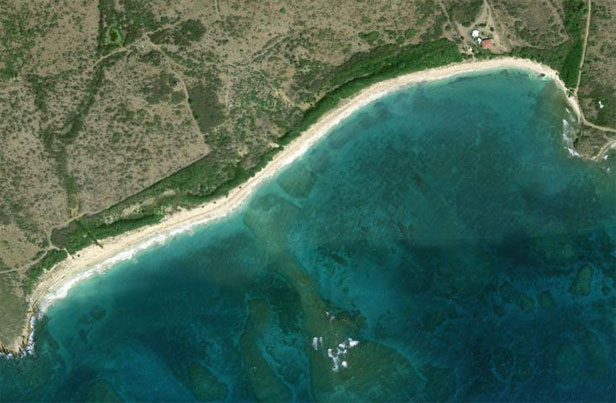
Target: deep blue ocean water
(445,228)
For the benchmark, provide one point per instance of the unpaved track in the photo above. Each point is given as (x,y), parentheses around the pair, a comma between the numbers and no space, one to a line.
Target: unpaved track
(579,77)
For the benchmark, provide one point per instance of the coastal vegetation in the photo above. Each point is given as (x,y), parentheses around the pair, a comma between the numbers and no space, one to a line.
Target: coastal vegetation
(366,69)
(566,56)
(598,88)
(49,260)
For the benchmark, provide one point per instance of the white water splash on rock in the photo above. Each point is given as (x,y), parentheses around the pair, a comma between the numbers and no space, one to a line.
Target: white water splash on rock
(338,356)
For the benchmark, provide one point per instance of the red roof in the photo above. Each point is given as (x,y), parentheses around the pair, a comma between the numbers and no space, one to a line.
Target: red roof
(486,43)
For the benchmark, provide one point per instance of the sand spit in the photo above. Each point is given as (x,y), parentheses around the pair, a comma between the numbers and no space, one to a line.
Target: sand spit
(94,260)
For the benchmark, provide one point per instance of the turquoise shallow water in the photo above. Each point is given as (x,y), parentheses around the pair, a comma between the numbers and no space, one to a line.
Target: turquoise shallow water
(444,227)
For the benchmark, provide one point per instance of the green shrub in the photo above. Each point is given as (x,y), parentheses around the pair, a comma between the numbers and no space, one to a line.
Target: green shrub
(365,69)
(564,58)
(369,37)
(206,109)
(51,258)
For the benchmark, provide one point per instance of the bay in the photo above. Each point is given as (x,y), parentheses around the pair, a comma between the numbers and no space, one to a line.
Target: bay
(440,244)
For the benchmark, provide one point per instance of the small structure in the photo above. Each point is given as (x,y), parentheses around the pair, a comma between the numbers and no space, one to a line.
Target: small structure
(485,41)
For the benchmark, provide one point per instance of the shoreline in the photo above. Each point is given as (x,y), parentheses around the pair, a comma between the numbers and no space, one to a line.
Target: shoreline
(93,260)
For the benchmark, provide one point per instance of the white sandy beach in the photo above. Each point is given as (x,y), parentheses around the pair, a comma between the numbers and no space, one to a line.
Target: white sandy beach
(93,259)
